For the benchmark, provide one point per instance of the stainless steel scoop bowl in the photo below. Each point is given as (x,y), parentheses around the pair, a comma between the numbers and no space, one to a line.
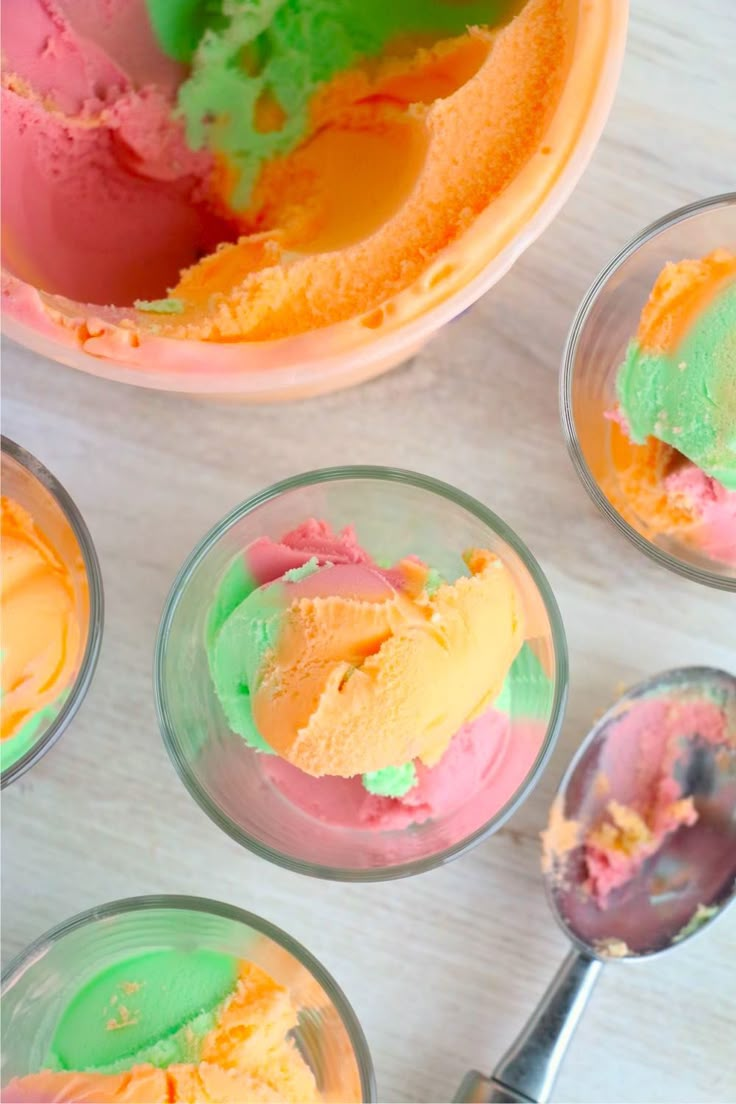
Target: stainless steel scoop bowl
(676,894)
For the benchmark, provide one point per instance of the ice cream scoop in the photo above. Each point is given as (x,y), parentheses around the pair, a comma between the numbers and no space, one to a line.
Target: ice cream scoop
(677,891)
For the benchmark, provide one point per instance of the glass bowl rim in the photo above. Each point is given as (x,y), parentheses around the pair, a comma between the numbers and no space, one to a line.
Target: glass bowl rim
(183,903)
(81,684)
(379,474)
(567,374)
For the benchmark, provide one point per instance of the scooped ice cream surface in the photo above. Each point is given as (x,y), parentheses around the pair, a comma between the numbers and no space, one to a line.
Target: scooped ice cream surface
(312,145)
(673,439)
(174,1026)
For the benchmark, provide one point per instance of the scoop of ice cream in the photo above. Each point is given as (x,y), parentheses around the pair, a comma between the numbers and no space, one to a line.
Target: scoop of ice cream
(484,765)
(349,673)
(196,1027)
(712,507)
(298,554)
(678,382)
(40,633)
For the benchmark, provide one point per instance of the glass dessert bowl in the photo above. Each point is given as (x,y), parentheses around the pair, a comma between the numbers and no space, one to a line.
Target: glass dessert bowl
(360,673)
(52,610)
(216,1003)
(380,172)
(647,391)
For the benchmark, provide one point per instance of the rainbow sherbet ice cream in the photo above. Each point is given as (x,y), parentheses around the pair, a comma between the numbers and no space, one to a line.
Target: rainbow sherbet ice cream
(380,695)
(230,171)
(674,431)
(168,1026)
(41,637)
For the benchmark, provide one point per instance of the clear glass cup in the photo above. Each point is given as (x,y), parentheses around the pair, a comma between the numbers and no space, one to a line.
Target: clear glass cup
(39,984)
(32,486)
(606,321)
(395,514)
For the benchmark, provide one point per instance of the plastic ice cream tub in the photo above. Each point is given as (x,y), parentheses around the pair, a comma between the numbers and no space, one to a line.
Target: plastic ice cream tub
(656,514)
(280,810)
(90,337)
(52,610)
(54,976)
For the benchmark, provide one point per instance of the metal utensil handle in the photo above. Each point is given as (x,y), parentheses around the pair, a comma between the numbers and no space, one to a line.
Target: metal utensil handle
(476,1088)
(528,1069)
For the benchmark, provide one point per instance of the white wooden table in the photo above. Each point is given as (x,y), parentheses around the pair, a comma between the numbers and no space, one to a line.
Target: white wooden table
(442,969)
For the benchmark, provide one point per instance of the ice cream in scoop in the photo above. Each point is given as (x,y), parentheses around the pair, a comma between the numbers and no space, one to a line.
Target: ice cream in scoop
(195,1026)
(674,433)
(639,796)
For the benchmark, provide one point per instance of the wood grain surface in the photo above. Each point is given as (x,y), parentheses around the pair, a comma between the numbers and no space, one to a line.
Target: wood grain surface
(442,969)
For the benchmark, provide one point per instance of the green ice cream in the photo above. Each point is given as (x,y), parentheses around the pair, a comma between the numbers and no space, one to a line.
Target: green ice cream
(527,693)
(154,1008)
(686,395)
(245,623)
(391,781)
(247,53)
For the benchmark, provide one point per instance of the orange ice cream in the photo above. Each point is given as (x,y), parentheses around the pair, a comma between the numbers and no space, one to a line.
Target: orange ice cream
(364,673)
(247,1057)
(640,485)
(683,291)
(40,636)
(434,137)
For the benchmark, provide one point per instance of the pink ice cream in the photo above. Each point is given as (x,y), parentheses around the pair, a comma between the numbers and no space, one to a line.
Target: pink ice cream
(712,507)
(639,799)
(268,560)
(141,209)
(484,756)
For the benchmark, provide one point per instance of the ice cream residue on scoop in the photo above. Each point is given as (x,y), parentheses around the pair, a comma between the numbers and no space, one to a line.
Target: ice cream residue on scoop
(637,801)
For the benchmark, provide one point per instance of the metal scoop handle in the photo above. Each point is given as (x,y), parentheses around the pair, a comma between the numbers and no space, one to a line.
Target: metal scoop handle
(527,1071)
